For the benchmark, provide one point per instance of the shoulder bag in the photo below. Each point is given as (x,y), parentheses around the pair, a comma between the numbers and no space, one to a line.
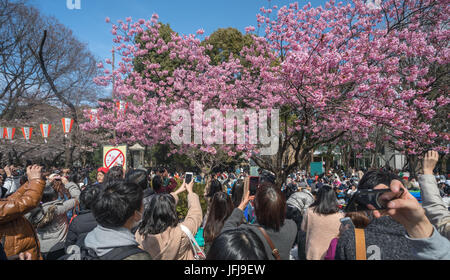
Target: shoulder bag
(198,252)
(275,251)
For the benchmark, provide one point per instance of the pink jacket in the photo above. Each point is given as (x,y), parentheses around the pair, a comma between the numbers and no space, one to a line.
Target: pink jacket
(320,230)
(173,244)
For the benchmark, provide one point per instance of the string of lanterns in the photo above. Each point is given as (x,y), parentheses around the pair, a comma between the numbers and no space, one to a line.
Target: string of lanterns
(9,132)
(67,123)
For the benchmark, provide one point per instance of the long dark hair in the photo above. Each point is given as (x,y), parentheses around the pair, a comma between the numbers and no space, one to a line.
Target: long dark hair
(160,214)
(326,201)
(237,192)
(220,209)
(214,187)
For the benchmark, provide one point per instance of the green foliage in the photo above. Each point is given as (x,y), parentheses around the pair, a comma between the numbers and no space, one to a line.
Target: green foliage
(158,154)
(93,176)
(97,157)
(226,41)
(163,59)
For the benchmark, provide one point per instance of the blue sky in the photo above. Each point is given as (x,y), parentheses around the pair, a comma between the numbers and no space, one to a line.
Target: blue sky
(185,17)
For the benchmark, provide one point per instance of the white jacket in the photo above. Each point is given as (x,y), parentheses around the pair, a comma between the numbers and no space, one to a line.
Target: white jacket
(11,185)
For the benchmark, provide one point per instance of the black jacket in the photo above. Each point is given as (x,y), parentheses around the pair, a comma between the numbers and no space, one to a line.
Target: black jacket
(80,227)
(385,240)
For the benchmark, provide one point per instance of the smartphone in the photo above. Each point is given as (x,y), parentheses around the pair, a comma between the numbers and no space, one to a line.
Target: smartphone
(188,177)
(253,185)
(368,200)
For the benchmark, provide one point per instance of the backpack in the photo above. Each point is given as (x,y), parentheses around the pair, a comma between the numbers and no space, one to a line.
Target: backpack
(74,252)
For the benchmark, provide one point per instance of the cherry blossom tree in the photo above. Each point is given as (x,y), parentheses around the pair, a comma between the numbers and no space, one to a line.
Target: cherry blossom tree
(347,70)
(154,92)
(338,72)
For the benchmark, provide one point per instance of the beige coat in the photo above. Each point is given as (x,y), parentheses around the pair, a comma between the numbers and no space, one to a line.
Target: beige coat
(173,244)
(320,230)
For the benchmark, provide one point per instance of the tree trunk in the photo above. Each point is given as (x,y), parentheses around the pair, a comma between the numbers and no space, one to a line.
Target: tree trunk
(346,153)
(309,159)
(329,159)
(69,150)
(413,166)
(443,167)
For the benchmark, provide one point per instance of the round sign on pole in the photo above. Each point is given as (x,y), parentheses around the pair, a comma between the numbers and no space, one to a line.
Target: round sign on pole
(113,158)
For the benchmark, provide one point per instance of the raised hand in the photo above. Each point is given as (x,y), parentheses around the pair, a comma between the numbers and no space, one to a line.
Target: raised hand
(34,172)
(64,180)
(246,198)
(429,162)
(190,187)
(8,171)
(407,211)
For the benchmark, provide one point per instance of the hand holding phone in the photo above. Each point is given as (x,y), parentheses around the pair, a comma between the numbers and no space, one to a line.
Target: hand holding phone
(246,197)
(406,210)
(188,177)
(253,184)
(246,186)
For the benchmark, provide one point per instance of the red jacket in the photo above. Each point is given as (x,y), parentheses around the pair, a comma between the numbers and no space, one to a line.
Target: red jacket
(169,188)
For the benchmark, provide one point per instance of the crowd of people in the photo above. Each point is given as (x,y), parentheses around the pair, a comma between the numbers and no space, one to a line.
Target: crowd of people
(58,214)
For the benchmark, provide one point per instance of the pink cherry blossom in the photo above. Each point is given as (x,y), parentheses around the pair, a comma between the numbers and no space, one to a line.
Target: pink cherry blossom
(343,71)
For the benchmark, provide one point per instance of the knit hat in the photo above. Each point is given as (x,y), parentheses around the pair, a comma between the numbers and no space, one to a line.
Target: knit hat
(104,170)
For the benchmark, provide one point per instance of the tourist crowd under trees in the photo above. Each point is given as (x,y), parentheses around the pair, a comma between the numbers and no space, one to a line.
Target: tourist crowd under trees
(60,214)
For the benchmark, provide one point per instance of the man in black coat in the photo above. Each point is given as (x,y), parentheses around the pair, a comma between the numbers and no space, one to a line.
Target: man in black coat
(85,221)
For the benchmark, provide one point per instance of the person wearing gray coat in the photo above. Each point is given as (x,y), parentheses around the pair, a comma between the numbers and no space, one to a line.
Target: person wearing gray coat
(51,223)
(301,200)
(435,208)
(73,189)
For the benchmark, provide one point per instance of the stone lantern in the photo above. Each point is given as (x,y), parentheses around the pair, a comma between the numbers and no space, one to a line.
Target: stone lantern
(137,155)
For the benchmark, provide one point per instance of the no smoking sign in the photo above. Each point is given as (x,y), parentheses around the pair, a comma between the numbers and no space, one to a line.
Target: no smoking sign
(114,157)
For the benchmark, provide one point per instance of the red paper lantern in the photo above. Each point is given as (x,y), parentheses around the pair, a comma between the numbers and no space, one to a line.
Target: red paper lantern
(27,132)
(45,131)
(67,125)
